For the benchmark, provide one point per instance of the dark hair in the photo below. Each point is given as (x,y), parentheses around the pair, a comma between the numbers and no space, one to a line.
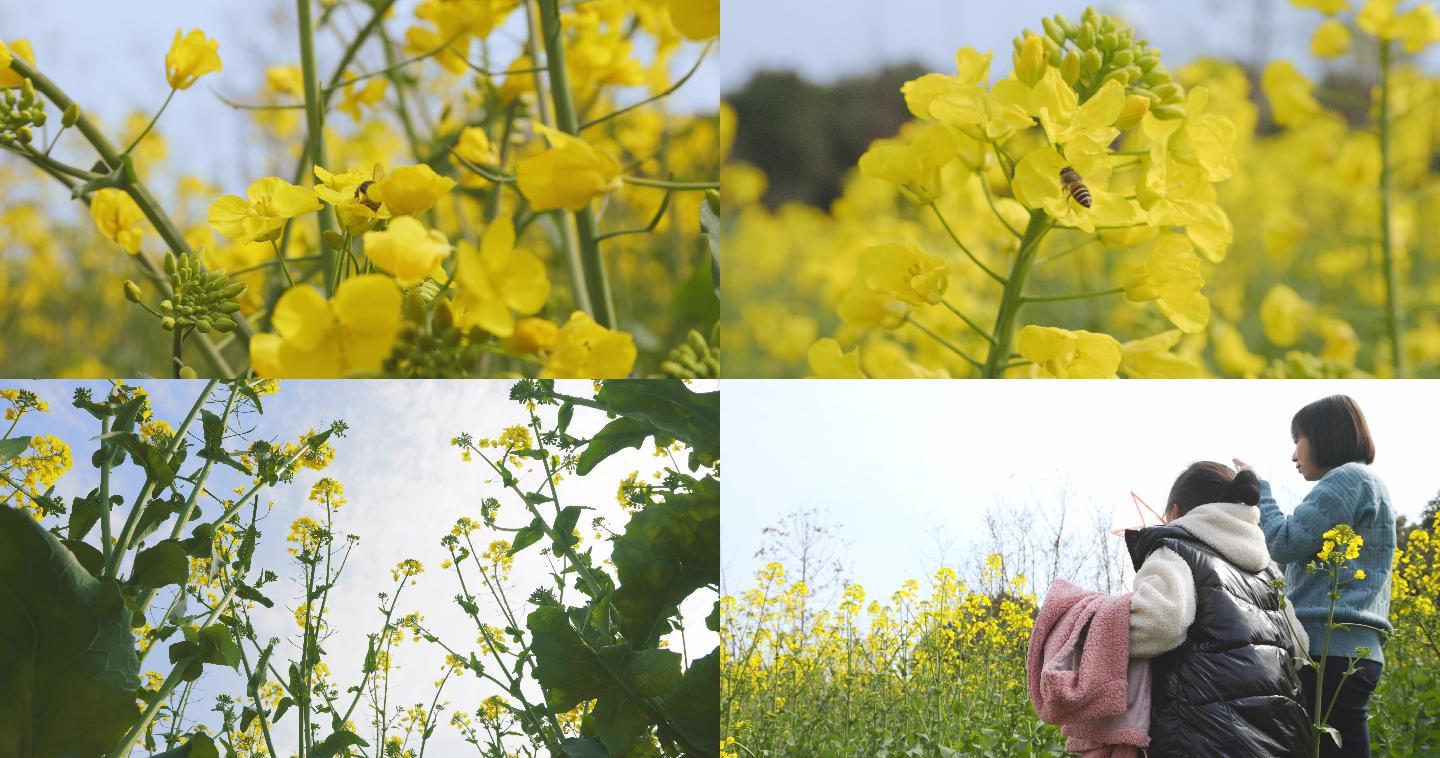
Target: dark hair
(1337,432)
(1211,482)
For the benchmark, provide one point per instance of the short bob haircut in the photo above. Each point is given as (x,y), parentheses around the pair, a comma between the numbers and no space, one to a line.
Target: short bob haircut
(1336,430)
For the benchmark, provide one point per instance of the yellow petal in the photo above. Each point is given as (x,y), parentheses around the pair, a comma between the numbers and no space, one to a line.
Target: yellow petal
(302,317)
(369,304)
(828,361)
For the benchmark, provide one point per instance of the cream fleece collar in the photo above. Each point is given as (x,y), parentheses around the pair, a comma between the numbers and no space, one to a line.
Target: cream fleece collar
(1233,529)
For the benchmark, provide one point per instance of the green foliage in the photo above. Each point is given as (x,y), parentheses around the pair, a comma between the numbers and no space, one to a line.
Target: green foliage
(69,652)
(160,566)
(9,448)
(668,551)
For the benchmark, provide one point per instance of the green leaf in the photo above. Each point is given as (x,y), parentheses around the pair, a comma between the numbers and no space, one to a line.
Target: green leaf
(336,744)
(565,524)
(712,622)
(669,550)
(249,392)
(246,592)
(88,555)
(201,543)
(615,436)
(69,657)
(84,512)
(151,458)
(536,498)
(562,419)
(214,449)
(583,747)
(280,708)
(690,417)
(257,677)
(694,707)
(218,646)
(161,565)
(527,536)
(571,672)
(9,448)
(156,512)
(538,455)
(197,745)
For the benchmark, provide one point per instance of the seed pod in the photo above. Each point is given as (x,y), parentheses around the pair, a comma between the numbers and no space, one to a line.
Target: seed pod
(230,292)
(223,324)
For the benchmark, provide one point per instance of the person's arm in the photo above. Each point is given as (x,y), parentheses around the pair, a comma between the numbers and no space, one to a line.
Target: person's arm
(1163,606)
(1298,537)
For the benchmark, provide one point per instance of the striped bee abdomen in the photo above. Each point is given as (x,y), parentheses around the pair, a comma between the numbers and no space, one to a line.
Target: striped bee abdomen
(1075,186)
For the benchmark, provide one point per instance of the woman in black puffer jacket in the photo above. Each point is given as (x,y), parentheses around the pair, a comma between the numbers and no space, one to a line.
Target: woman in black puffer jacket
(1207,610)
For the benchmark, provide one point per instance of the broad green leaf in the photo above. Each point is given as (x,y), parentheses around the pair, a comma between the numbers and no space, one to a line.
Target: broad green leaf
(161,565)
(219,646)
(69,657)
(88,555)
(565,524)
(527,536)
(712,622)
(246,592)
(538,455)
(536,498)
(214,449)
(562,419)
(668,550)
(694,707)
(336,744)
(156,512)
(9,448)
(615,436)
(84,512)
(572,672)
(280,708)
(675,411)
(583,747)
(197,745)
(151,458)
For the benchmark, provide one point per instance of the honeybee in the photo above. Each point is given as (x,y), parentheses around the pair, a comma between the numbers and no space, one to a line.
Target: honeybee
(362,190)
(1075,186)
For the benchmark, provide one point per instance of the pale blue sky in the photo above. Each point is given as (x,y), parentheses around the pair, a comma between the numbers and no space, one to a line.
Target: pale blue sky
(406,487)
(829,39)
(902,464)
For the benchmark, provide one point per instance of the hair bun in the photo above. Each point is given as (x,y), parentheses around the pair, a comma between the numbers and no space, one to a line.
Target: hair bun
(1244,488)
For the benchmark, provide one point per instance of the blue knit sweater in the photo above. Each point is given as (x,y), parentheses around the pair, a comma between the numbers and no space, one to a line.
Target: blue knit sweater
(1348,494)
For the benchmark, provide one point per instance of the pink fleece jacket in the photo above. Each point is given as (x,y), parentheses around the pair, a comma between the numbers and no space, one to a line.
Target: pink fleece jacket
(1081,676)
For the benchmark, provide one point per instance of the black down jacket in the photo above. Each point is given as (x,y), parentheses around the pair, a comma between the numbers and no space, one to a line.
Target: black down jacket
(1231,689)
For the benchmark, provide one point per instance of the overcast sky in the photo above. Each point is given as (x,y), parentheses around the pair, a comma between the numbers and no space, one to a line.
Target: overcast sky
(406,486)
(110,57)
(829,39)
(902,464)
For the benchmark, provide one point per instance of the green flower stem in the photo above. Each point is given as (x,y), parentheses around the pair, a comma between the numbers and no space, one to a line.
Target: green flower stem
(1394,316)
(171,682)
(1318,719)
(969,322)
(199,486)
(1072,249)
(595,281)
(946,343)
(122,544)
(314,150)
(105,454)
(177,344)
(147,203)
(50,165)
(990,198)
(662,184)
(153,121)
(956,239)
(677,85)
(1076,296)
(1012,299)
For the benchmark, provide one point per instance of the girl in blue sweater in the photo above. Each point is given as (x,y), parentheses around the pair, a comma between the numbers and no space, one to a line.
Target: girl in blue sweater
(1333,448)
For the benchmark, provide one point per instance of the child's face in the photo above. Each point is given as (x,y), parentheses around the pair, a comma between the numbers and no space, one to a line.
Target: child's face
(1304,462)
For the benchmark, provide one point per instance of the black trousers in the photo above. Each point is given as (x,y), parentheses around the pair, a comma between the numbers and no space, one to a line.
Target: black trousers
(1349,714)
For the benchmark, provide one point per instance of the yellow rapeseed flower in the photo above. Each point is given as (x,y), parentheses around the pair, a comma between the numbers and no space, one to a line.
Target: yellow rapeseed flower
(1331,39)
(412,189)
(586,350)
(1416,29)
(696,19)
(531,336)
(191,57)
(905,272)
(119,218)
(407,250)
(568,175)
(1171,277)
(351,333)
(20,48)
(357,211)
(498,278)
(272,201)
(1291,94)
(829,361)
(1063,354)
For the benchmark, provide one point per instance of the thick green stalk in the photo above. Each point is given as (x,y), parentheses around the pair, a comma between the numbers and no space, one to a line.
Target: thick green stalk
(123,543)
(105,536)
(1394,317)
(171,682)
(314,151)
(1013,296)
(185,512)
(1316,717)
(597,282)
